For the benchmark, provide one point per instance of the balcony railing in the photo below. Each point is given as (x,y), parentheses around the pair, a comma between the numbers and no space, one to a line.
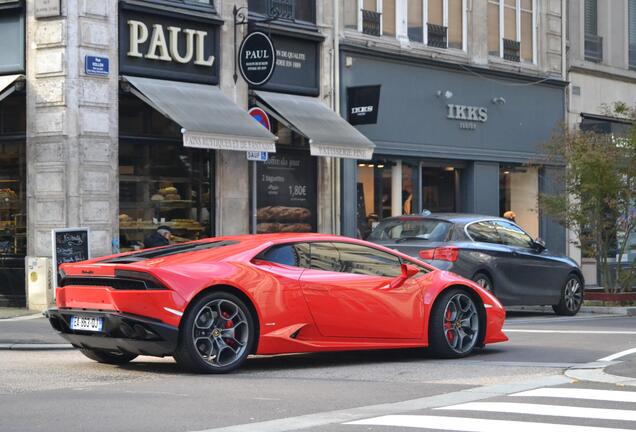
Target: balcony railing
(593,48)
(371,22)
(281,9)
(437,36)
(511,50)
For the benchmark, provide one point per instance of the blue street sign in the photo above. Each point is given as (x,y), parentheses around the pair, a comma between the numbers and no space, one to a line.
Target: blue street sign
(257,156)
(96,65)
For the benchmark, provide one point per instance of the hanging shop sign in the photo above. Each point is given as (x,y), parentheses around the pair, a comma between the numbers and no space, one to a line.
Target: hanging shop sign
(69,245)
(164,47)
(363,104)
(297,62)
(261,117)
(286,193)
(257,58)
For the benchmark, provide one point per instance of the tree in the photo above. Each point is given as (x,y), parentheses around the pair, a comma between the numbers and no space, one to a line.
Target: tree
(599,198)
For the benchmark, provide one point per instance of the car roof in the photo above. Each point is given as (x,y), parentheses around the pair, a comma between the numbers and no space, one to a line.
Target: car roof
(456,218)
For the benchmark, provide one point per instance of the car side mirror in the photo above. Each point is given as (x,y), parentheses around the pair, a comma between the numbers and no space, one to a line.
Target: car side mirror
(408,271)
(539,244)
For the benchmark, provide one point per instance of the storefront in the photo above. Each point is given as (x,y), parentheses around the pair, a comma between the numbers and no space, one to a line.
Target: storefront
(172,119)
(13,204)
(291,187)
(448,139)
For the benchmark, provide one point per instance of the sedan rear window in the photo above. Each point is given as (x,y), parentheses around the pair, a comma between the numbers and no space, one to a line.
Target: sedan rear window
(416,229)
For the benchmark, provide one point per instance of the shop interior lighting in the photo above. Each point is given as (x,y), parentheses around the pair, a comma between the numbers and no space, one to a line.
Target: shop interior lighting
(380,165)
(362,165)
(450,168)
(446,94)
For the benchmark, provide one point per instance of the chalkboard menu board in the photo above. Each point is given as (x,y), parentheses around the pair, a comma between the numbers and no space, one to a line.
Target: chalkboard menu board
(286,193)
(69,245)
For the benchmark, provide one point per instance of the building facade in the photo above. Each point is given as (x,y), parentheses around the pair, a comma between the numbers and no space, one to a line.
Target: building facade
(601,67)
(458,97)
(122,116)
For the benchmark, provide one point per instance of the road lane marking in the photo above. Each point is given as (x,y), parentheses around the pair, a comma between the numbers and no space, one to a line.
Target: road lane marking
(618,355)
(546,410)
(476,425)
(596,332)
(576,393)
(351,414)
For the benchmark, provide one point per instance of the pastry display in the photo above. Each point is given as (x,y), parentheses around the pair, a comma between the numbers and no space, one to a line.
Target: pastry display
(157,197)
(264,228)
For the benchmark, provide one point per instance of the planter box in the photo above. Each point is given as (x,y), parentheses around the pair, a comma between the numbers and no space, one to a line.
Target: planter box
(607,297)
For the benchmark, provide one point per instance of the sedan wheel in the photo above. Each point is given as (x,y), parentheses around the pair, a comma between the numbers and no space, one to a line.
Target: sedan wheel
(217,334)
(455,324)
(483,281)
(571,297)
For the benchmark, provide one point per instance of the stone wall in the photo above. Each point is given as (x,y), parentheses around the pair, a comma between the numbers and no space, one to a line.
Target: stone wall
(72,125)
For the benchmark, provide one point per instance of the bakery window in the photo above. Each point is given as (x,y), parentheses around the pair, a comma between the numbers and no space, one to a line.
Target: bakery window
(12,199)
(161,182)
(286,185)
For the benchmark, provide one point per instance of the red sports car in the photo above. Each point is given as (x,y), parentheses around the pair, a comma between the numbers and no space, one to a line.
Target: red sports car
(211,303)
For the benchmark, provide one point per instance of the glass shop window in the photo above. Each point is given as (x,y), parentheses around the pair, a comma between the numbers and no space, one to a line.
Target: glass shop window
(519,194)
(161,182)
(440,189)
(13,177)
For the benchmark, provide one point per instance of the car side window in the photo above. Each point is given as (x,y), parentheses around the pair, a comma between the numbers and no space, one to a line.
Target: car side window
(324,256)
(484,231)
(363,260)
(293,254)
(512,235)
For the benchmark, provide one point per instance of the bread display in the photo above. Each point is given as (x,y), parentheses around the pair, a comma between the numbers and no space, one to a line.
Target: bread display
(283,214)
(264,228)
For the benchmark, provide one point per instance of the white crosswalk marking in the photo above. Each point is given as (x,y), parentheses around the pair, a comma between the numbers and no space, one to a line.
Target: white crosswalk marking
(547,410)
(576,393)
(476,425)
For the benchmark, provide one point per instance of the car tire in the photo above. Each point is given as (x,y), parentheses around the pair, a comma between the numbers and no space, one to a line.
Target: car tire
(216,335)
(484,281)
(454,324)
(108,357)
(571,297)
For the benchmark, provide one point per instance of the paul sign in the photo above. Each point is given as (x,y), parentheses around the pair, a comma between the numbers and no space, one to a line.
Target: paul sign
(257,58)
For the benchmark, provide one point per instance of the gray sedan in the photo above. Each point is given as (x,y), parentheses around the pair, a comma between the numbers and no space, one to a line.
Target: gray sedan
(494,252)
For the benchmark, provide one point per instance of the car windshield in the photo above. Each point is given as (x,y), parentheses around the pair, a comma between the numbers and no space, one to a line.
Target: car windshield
(407,229)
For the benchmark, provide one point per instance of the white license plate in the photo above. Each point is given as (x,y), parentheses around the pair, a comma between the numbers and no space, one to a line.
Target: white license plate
(86,323)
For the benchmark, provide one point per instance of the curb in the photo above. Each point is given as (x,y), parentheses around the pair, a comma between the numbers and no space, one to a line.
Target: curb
(35,347)
(601,310)
(595,372)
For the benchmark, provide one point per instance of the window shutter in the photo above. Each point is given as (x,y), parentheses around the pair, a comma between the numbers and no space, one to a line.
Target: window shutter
(591,17)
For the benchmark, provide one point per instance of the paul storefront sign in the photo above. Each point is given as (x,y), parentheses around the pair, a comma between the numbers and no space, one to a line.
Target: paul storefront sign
(164,44)
(173,48)
(469,116)
(257,58)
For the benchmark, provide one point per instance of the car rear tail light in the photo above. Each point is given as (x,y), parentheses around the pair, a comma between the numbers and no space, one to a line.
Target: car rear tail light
(427,254)
(448,253)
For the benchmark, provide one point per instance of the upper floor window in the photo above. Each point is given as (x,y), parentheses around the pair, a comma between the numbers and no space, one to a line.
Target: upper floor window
(512,30)
(632,33)
(592,41)
(293,10)
(438,23)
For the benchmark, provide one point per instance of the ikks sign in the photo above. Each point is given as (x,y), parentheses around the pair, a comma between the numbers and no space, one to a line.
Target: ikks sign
(468,116)
(164,47)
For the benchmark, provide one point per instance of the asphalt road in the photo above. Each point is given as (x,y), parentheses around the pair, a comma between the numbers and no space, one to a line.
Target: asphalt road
(381,390)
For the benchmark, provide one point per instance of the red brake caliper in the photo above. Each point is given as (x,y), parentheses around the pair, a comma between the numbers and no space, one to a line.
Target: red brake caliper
(448,325)
(229,324)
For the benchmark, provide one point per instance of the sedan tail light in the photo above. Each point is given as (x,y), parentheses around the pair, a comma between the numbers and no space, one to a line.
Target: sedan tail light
(447,253)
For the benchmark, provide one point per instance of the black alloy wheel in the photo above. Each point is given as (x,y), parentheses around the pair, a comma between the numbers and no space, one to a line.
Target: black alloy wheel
(216,335)
(484,281)
(571,297)
(454,326)
(108,357)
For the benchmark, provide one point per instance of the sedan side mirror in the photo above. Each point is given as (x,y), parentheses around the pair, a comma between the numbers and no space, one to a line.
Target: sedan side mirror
(539,244)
